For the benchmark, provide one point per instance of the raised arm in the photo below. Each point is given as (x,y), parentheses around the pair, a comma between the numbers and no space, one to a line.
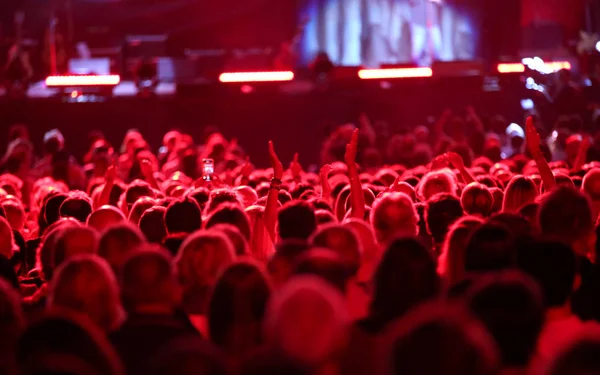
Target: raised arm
(148,172)
(296,168)
(472,114)
(325,187)
(367,128)
(273,195)
(533,145)
(356,193)
(111,175)
(457,162)
(581,154)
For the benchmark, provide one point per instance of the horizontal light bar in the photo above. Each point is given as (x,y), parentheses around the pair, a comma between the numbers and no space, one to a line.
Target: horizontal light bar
(70,81)
(558,65)
(256,77)
(394,73)
(511,68)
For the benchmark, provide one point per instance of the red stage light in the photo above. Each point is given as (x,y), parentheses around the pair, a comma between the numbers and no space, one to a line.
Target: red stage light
(241,77)
(395,73)
(511,68)
(71,81)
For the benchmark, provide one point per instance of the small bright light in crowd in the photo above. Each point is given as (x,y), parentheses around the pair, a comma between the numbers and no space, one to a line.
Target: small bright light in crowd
(395,73)
(527,104)
(246,89)
(511,68)
(539,65)
(256,77)
(74,94)
(102,80)
(598,46)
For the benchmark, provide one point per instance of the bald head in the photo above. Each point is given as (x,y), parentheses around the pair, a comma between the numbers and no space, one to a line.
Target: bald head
(104,217)
(6,239)
(394,215)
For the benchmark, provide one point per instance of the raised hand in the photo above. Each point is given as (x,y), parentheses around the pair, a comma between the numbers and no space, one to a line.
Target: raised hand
(295,167)
(111,173)
(351,150)
(324,175)
(275,162)
(439,162)
(532,138)
(247,168)
(146,168)
(455,160)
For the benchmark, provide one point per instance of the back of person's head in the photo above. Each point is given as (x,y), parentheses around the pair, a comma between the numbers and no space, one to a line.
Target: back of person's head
(326,264)
(104,217)
(579,356)
(296,221)
(139,207)
(148,281)
(520,191)
(65,343)
(324,217)
(281,264)
(233,214)
(77,205)
(433,183)
(490,248)
(200,260)
(366,238)
(117,241)
(152,224)
(343,241)
(510,305)
(52,208)
(135,191)
(47,249)
(74,240)
(554,266)
(240,244)
(237,307)
(441,211)
(183,216)
(247,194)
(451,263)
(220,196)
(565,214)
(307,321)
(200,195)
(405,277)
(86,284)
(591,184)
(442,339)
(476,199)
(15,213)
(394,215)
(520,228)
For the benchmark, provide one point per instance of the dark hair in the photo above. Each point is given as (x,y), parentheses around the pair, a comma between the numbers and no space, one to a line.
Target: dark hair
(200,195)
(228,213)
(66,247)
(441,212)
(172,242)
(553,265)
(52,208)
(220,196)
(136,190)
(117,241)
(325,264)
(236,308)
(510,306)
(237,239)
(183,216)
(405,277)
(296,220)
(579,357)
(281,263)
(490,248)
(476,199)
(520,228)
(566,214)
(77,205)
(343,241)
(324,217)
(152,224)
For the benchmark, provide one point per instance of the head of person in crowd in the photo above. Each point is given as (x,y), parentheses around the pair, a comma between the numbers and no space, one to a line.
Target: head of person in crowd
(135,190)
(15,214)
(565,214)
(520,191)
(437,338)
(75,240)
(441,211)
(152,224)
(236,308)
(149,283)
(247,194)
(220,196)
(237,239)
(393,215)
(451,263)
(77,205)
(117,242)
(183,216)
(307,321)
(491,247)
(104,217)
(281,264)
(343,241)
(45,262)
(228,213)
(52,208)
(139,207)
(405,277)
(325,264)
(442,181)
(200,195)
(591,187)
(200,260)
(476,199)
(577,356)
(86,284)
(296,221)
(510,305)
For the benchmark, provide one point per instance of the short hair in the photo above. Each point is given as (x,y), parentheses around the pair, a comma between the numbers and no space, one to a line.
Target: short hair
(553,265)
(85,283)
(219,196)
(324,217)
(52,208)
(296,220)
(74,240)
(442,181)
(139,207)
(510,306)
(280,266)
(239,242)
(47,249)
(520,191)
(405,277)
(451,263)
(15,213)
(591,184)
(117,241)
(441,211)
(565,214)
(152,224)
(520,228)
(394,214)
(490,248)
(148,278)
(77,205)
(7,239)
(247,194)
(476,199)
(200,195)
(104,217)
(239,298)
(135,191)
(343,241)
(326,264)
(228,213)
(183,215)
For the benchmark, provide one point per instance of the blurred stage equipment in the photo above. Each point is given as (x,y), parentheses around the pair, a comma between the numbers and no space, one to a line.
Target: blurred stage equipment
(245,77)
(392,73)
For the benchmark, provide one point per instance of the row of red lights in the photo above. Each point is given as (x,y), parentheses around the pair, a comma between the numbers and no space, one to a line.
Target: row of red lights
(284,76)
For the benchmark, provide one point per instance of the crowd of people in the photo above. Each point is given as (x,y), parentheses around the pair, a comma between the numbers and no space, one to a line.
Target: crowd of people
(456,249)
